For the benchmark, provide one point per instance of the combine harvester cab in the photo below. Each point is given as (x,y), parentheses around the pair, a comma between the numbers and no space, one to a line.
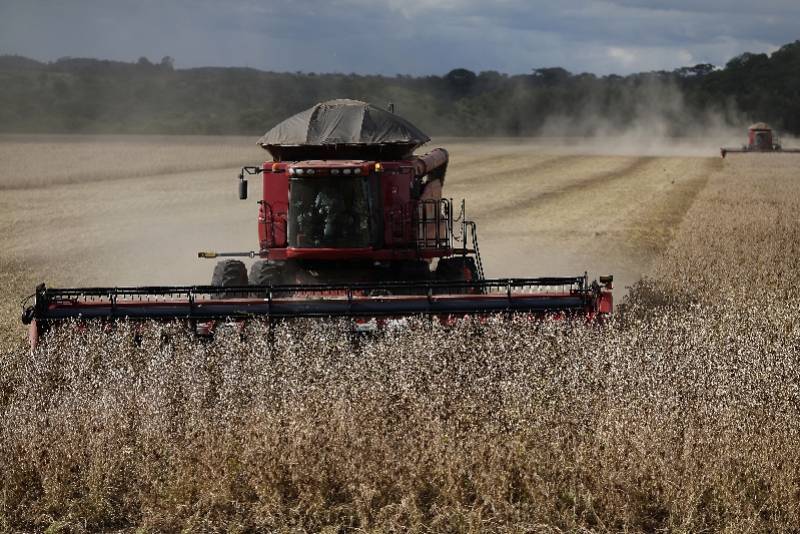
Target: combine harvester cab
(760,138)
(350,224)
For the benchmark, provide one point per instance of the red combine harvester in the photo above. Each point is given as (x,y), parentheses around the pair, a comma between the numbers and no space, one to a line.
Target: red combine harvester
(351,224)
(760,138)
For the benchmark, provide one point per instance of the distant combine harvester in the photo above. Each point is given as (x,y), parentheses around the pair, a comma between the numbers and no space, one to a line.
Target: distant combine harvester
(760,138)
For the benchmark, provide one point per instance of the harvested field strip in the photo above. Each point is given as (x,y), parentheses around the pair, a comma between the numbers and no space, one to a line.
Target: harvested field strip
(495,172)
(29,164)
(117,173)
(104,232)
(618,228)
(653,224)
(26,182)
(583,185)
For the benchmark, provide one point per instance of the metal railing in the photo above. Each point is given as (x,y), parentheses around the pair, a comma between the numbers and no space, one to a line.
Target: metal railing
(433,223)
(468,239)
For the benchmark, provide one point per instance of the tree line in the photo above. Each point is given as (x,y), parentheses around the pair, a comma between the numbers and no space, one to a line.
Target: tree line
(100,96)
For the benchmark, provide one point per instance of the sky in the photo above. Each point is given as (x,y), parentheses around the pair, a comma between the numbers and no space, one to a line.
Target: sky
(389,37)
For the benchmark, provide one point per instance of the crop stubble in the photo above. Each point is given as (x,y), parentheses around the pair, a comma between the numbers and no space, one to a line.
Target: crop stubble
(681,414)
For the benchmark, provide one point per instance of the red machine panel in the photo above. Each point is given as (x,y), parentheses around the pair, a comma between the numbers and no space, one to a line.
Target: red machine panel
(409,216)
(396,192)
(274,206)
(760,138)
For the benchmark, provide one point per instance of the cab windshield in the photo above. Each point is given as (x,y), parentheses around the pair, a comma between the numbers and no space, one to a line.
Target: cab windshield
(329,212)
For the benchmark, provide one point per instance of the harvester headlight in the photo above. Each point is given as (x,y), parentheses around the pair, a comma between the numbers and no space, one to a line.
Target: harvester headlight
(346,171)
(291,171)
(356,171)
(298,171)
(309,171)
(378,167)
(334,171)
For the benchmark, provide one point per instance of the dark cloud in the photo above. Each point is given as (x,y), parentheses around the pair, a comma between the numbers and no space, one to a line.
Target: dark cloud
(402,36)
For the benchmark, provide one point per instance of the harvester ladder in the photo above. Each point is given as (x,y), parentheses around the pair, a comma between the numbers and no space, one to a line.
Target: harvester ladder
(473,229)
(469,233)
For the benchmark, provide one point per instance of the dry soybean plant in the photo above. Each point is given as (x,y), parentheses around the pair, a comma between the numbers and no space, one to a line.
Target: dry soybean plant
(680,414)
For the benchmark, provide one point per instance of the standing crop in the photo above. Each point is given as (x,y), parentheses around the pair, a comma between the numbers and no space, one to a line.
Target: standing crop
(680,414)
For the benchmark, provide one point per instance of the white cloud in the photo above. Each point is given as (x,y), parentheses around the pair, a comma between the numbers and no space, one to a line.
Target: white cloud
(625,56)
(642,59)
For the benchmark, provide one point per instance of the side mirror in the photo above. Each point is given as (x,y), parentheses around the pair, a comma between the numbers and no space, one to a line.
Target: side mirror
(243,180)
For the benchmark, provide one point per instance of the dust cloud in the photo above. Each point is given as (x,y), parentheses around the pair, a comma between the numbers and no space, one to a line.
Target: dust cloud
(655,120)
(544,207)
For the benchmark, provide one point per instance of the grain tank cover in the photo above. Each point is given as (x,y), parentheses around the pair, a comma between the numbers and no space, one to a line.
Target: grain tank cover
(339,129)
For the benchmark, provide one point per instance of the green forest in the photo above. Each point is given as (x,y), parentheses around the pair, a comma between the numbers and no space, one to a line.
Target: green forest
(98,96)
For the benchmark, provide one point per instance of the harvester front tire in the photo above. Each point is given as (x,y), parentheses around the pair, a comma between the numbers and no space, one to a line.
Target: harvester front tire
(266,273)
(413,271)
(229,273)
(459,269)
